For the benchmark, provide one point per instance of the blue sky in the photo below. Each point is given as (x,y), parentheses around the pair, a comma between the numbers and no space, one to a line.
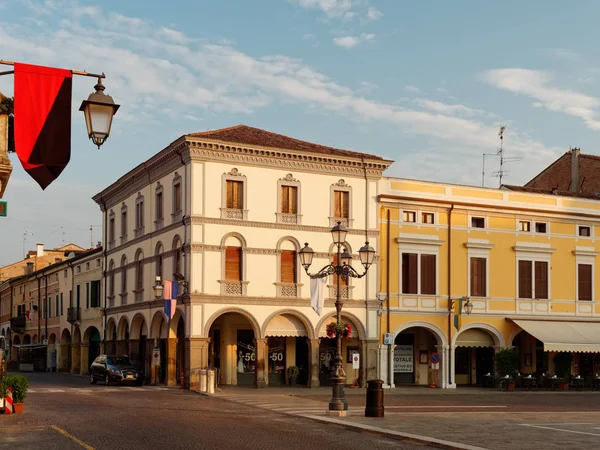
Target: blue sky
(425,84)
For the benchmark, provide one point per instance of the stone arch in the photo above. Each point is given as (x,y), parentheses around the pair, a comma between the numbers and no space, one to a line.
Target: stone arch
(291,239)
(349,316)
(513,336)
(123,328)
(158,248)
(309,328)
(139,254)
(76,336)
(434,329)
(90,333)
(246,314)
(111,329)
(16,340)
(235,235)
(159,326)
(493,331)
(138,327)
(65,337)
(26,339)
(52,339)
(176,242)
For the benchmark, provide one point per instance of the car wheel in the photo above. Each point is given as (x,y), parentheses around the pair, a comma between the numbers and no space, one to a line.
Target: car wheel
(107,379)
(92,379)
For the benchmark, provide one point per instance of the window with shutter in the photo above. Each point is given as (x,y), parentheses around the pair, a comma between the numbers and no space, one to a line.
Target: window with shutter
(235,194)
(159,206)
(289,199)
(233,263)
(428,275)
(541,279)
(177,198)
(124,223)
(584,280)
(478,277)
(139,280)
(525,285)
(409,273)
(288,266)
(341,204)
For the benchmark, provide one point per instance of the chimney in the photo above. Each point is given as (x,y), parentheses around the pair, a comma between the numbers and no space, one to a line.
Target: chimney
(40,250)
(575,170)
(29,268)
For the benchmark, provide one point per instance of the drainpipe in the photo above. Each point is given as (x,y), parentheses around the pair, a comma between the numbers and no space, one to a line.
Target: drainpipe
(449,294)
(387,288)
(104,252)
(39,286)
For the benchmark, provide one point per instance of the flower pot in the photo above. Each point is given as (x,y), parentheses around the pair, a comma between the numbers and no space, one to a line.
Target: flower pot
(511,386)
(18,408)
(292,381)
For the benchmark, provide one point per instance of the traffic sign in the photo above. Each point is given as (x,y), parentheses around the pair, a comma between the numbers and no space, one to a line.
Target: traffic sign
(435,358)
(3,209)
(156,357)
(355,361)
(388,339)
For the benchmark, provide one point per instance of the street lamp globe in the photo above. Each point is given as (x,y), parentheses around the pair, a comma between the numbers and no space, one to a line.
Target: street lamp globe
(339,233)
(346,258)
(306,256)
(367,255)
(99,110)
(158,288)
(468,306)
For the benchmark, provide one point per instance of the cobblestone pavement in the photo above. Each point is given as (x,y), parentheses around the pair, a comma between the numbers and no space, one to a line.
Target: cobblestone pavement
(64,412)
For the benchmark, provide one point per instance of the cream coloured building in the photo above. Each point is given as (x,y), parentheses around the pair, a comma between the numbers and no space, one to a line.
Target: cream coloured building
(229,209)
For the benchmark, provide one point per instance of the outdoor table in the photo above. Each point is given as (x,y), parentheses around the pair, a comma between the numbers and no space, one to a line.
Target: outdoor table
(488,381)
(577,383)
(529,382)
(553,382)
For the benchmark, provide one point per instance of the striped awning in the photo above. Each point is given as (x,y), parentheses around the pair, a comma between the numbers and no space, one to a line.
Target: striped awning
(564,336)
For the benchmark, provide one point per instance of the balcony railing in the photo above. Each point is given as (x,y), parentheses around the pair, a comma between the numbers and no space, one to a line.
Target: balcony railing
(73,314)
(18,323)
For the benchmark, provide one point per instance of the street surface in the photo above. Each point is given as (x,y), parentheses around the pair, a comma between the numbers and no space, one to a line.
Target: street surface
(65,412)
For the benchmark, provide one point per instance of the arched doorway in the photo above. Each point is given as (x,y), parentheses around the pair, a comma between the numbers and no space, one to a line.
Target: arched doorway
(288,335)
(138,345)
(474,353)
(26,339)
(52,353)
(64,351)
(92,339)
(159,333)
(123,336)
(327,350)
(414,344)
(76,351)
(111,336)
(235,351)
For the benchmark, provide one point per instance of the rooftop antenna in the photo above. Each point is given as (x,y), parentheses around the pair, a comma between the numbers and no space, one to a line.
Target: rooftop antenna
(483,167)
(501,173)
(63,236)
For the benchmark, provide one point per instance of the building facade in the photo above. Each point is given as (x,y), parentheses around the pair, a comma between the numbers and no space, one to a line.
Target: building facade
(525,261)
(229,210)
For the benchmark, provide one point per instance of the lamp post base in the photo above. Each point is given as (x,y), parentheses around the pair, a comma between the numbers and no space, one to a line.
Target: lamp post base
(338,400)
(337,413)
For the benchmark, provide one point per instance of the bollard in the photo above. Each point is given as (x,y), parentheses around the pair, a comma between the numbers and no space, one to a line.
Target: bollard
(374,406)
(8,402)
(210,381)
(202,380)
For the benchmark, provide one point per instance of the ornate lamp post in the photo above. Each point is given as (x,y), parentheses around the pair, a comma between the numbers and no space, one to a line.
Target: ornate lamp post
(99,110)
(342,268)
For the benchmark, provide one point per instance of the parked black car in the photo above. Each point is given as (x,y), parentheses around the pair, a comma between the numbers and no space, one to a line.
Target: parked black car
(115,369)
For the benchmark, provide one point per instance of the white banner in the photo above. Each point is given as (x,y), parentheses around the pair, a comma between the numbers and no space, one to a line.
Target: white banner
(403,359)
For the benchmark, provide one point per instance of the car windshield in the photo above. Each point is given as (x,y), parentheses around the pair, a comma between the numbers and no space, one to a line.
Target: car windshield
(119,361)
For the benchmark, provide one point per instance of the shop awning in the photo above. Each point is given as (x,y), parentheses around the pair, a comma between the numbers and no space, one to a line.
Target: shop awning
(286,325)
(474,338)
(564,336)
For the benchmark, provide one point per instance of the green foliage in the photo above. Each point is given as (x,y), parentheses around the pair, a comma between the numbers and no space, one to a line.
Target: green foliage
(293,371)
(562,364)
(507,362)
(3,385)
(19,385)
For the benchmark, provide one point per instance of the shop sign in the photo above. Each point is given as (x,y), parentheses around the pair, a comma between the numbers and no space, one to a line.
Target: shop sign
(403,359)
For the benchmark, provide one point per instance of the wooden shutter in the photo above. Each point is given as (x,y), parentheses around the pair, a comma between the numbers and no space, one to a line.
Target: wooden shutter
(177,193)
(159,206)
(409,273)
(235,195)
(478,277)
(345,205)
(288,266)
(233,263)
(140,275)
(525,290)
(337,203)
(289,199)
(428,275)
(541,279)
(584,279)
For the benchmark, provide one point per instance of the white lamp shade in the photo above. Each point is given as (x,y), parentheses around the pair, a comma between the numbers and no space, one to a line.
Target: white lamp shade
(306,256)
(338,233)
(367,255)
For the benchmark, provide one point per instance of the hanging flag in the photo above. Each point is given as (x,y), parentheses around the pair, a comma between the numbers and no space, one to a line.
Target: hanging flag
(42,120)
(27,315)
(317,294)
(170,290)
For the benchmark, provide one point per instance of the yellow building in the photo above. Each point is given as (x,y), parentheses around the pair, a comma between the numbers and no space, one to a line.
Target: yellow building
(523,261)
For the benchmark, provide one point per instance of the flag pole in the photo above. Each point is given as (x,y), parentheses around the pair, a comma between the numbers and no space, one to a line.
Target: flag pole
(74,72)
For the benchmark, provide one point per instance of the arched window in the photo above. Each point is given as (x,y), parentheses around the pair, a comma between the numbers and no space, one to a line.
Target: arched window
(288,266)
(111,282)
(139,276)
(123,280)
(233,263)
(159,260)
(177,255)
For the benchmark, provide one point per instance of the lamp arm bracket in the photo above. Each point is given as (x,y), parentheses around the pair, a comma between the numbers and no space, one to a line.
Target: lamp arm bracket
(324,272)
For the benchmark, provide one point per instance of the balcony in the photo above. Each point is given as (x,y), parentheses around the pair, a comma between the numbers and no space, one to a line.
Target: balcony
(18,323)
(73,314)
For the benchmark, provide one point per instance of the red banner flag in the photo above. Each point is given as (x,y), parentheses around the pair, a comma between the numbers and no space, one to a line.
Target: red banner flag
(43,120)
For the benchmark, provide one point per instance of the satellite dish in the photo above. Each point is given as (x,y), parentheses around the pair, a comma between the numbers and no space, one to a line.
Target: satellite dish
(71,255)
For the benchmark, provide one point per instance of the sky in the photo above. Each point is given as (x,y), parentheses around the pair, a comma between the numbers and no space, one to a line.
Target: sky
(426,84)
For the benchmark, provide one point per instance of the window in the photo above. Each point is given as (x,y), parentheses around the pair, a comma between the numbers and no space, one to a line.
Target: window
(95,294)
(87,266)
(78,295)
(341,204)
(111,230)
(533,279)
(235,195)
(478,277)
(139,271)
(87,295)
(428,218)
(177,262)
(123,276)
(289,199)
(478,222)
(111,279)
(48,307)
(233,263)
(139,215)
(584,282)
(123,223)
(176,198)
(159,206)
(540,227)
(57,309)
(585,231)
(524,225)
(62,311)
(410,274)
(343,280)
(409,216)
(70,299)
(159,261)
(288,266)
(97,263)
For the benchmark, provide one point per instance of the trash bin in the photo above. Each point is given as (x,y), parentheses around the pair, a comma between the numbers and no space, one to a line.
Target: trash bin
(374,406)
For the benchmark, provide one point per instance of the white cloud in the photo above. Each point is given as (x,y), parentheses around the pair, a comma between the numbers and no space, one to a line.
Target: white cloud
(332,8)
(311,38)
(565,54)
(353,41)
(538,86)
(374,13)
(453,110)
(413,89)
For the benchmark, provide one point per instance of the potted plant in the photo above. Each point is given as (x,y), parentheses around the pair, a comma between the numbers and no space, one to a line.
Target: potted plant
(507,364)
(19,385)
(292,373)
(562,367)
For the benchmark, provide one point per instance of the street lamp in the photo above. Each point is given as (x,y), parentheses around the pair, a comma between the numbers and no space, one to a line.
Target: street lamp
(467,307)
(158,287)
(99,110)
(342,268)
